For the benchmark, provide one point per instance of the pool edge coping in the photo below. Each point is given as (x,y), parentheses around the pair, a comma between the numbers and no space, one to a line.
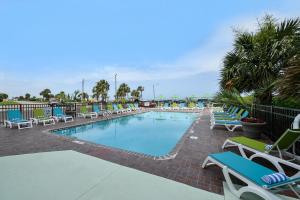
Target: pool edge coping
(171,155)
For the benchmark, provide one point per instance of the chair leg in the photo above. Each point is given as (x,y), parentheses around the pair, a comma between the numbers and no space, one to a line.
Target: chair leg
(207,162)
(225,144)
(7,123)
(234,127)
(250,188)
(242,151)
(259,192)
(212,126)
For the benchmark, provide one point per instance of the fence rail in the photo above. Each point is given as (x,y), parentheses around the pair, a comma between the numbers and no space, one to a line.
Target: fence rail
(27,109)
(278,120)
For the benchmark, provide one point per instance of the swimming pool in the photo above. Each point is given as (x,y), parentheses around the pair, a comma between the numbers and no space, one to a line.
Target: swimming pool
(151,133)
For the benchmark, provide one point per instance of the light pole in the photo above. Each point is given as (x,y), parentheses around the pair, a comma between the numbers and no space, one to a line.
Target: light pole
(82,90)
(154,90)
(116,86)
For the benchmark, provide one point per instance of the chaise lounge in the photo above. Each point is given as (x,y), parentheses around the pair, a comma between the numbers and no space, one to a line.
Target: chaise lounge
(14,117)
(58,115)
(284,143)
(39,116)
(85,113)
(252,174)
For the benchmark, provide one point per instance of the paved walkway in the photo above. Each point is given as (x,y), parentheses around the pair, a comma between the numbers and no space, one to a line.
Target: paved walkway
(184,168)
(69,175)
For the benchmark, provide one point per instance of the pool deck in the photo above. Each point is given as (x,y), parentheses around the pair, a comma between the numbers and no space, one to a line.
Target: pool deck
(84,177)
(184,168)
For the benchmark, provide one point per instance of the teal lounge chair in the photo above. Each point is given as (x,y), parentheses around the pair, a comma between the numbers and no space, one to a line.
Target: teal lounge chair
(283,144)
(200,105)
(229,110)
(232,113)
(166,106)
(251,174)
(116,110)
(133,108)
(99,112)
(240,115)
(14,117)
(58,115)
(136,105)
(182,106)
(230,125)
(128,108)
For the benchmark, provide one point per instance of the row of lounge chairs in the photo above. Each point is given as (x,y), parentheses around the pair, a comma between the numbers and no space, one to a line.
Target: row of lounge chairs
(44,115)
(259,180)
(40,116)
(119,109)
(229,119)
(183,106)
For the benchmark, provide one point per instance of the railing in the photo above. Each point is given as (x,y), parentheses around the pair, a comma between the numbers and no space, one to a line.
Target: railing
(278,120)
(27,109)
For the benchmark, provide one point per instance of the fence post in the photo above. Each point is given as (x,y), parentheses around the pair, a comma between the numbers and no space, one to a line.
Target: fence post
(52,112)
(271,120)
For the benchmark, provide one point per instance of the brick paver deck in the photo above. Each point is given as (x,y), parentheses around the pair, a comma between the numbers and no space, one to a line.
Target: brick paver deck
(185,167)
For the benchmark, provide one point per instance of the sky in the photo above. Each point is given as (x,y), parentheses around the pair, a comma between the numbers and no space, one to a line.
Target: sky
(176,46)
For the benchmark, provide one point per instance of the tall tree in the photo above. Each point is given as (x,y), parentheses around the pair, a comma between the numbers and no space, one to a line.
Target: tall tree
(75,95)
(61,96)
(46,94)
(135,94)
(257,60)
(3,96)
(289,84)
(27,96)
(101,89)
(140,89)
(84,96)
(123,90)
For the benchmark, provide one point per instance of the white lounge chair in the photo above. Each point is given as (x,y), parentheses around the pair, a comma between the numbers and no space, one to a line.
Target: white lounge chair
(58,114)
(86,114)
(251,173)
(14,117)
(282,145)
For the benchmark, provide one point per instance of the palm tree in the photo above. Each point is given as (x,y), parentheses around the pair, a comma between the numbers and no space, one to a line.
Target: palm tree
(101,89)
(76,95)
(3,96)
(258,59)
(27,96)
(46,93)
(123,90)
(61,96)
(135,94)
(83,96)
(140,89)
(289,84)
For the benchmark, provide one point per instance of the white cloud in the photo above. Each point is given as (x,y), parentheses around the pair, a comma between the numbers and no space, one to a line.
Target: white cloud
(206,58)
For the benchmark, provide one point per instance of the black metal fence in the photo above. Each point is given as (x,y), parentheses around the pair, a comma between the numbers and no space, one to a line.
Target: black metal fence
(27,109)
(278,120)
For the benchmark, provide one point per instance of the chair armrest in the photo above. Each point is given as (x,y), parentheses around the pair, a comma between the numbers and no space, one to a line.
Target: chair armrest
(276,162)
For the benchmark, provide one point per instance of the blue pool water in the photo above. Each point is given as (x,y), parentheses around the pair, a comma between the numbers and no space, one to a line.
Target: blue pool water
(151,133)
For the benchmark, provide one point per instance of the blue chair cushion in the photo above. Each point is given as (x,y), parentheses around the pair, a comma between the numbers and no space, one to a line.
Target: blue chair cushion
(247,168)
